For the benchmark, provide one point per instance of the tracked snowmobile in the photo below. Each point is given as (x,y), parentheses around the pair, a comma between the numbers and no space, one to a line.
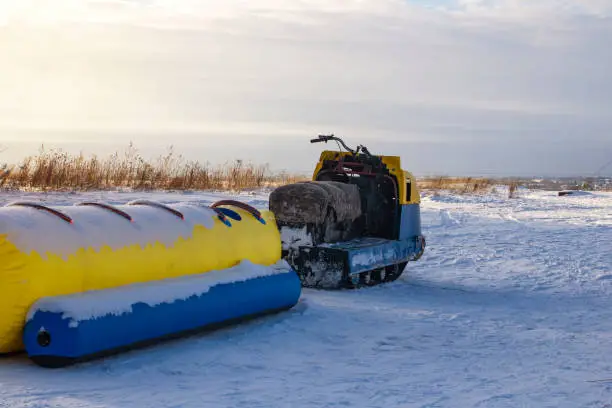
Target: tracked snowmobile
(357,223)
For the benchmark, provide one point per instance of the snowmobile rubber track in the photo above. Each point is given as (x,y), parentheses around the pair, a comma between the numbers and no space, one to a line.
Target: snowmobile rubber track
(361,262)
(328,270)
(374,277)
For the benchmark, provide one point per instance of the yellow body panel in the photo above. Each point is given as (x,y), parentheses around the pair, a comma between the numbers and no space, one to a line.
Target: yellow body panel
(27,275)
(394,165)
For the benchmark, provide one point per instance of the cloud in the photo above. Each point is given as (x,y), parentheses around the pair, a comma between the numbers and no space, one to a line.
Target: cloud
(521,9)
(471,73)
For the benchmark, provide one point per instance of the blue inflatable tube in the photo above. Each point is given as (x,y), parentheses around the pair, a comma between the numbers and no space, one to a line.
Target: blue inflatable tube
(64,330)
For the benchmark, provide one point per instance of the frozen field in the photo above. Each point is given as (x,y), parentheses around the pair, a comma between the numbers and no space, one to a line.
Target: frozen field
(511,306)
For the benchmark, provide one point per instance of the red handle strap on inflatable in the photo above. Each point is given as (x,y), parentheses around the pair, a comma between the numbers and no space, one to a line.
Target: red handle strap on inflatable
(108,207)
(158,205)
(252,210)
(41,207)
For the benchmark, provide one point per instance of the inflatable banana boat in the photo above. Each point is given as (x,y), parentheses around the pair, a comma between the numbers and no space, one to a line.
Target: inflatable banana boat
(51,253)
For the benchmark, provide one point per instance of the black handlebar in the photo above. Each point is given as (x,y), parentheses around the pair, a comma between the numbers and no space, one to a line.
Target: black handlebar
(327,138)
(323,138)
(361,149)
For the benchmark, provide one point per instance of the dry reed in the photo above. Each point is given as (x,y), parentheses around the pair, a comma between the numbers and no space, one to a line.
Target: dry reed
(466,185)
(56,170)
(459,185)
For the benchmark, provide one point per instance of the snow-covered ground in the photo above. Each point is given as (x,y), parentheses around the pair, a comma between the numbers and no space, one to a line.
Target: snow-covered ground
(511,306)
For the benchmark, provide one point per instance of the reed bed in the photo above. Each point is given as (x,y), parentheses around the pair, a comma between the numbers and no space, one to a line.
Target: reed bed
(467,185)
(459,185)
(57,170)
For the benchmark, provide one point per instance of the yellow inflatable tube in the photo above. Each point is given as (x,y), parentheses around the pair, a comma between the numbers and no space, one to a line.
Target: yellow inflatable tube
(62,250)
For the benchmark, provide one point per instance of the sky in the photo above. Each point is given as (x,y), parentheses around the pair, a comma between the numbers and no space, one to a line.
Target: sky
(454,87)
